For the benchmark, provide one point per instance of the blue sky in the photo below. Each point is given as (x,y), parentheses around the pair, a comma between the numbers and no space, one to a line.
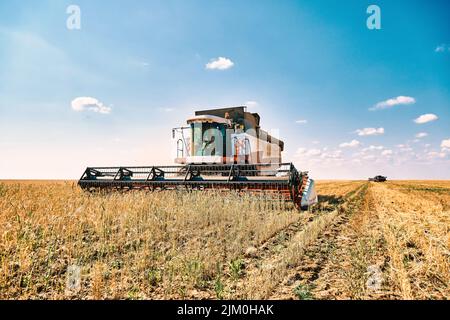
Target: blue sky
(311,68)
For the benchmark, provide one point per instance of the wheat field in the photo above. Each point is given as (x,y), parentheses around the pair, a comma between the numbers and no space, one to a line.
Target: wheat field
(362,241)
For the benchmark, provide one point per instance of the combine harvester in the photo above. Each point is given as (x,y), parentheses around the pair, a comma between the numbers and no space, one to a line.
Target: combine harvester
(220,149)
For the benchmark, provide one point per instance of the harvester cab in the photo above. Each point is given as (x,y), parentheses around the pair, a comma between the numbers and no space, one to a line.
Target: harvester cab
(221,149)
(227,135)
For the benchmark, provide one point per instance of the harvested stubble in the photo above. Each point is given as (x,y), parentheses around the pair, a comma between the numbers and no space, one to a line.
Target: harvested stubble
(57,242)
(417,233)
(128,245)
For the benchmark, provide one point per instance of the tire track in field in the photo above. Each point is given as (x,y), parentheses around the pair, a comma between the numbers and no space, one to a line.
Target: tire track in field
(283,236)
(275,257)
(315,263)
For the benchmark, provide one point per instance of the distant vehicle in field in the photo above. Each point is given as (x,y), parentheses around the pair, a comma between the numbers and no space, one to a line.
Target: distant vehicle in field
(378,179)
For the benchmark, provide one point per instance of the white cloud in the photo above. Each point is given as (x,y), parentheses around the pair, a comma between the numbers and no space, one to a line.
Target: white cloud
(89,104)
(370,131)
(445,144)
(387,153)
(251,104)
(336,155)
(308,153)
(351,144)
(322,156)
(220,63)
(369,157)
(404,148)
(426,118)
(434,155)
(301,121)
(314,152)
(393,102)
(372,148)
(421,135)
(442,48)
